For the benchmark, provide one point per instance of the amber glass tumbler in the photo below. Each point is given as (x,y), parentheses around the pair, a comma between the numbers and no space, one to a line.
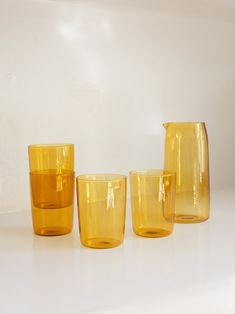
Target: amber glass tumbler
(152,202)
(101,209)
(52,188)
(186,154)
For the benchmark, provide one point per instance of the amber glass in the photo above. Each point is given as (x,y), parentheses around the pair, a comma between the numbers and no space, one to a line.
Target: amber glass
(52,188)
(186,154)
(152,202)
(101,209)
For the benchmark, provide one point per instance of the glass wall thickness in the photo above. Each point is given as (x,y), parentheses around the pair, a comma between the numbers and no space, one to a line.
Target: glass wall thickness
(101,209)
(152,202)
(52,188)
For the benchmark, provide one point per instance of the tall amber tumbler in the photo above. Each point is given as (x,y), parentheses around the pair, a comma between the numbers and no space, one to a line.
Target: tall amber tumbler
(101,209)
(52,188)
(186,154)
(152,202)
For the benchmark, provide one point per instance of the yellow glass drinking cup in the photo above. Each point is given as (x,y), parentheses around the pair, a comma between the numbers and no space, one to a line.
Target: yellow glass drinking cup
(52,188)
(152,202)
(101,209)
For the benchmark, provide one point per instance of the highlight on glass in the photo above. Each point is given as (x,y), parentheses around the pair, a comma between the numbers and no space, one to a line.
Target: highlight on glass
(101,209)
(52,188)
(152,202)
(186,154)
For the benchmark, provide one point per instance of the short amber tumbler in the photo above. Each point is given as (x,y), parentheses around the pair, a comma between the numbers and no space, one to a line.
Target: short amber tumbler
(101,209)
(52,188)
(152,202)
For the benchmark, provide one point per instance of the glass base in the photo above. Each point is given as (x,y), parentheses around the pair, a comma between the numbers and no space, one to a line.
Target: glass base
(153,232)
(188,219)
(101,243)
(53,231)
(52,222)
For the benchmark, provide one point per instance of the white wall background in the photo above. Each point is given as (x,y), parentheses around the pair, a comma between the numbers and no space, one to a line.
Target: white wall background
(104,75)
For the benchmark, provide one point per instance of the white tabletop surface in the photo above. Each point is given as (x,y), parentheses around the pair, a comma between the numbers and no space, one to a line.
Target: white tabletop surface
(192,271)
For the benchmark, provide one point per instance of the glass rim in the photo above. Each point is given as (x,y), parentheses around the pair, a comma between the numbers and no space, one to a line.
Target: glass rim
(184,123)
(101,177)
(152,173)
(52,145)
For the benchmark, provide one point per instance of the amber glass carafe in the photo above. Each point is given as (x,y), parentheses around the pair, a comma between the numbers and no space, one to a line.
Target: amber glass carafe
(186,154)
